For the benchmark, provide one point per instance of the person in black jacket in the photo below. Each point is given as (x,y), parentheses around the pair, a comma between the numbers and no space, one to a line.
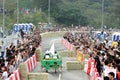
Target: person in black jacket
(98,63)
(22,33)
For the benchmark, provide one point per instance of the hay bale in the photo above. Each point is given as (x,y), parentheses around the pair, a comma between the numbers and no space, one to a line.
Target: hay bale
(73,65)
(23,71)
(86,56)
(38,54)
(73,52)
(38,76)
(65,53)
(52,34)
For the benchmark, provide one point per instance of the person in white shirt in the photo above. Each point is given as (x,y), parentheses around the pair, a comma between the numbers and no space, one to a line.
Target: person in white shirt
(10,67)
(5,73)
(0,52)
(3,50)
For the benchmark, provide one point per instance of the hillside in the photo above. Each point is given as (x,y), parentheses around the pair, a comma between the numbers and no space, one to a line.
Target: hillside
(77,12)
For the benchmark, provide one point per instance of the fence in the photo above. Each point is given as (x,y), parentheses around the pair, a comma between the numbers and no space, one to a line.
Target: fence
(30,64)
(67,44)
(89,67)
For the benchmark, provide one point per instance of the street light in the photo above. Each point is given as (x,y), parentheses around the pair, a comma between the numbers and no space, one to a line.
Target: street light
(49,11)
(3,21)
(17,11)
(102,14)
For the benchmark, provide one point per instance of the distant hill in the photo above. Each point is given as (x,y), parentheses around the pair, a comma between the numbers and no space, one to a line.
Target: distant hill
(67,12)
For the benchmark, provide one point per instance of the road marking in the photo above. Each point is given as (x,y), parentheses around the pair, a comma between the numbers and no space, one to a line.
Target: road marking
(59,76)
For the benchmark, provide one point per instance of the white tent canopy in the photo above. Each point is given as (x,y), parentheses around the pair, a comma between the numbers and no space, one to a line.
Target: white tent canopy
(116,36)
(24,26)
(99,35)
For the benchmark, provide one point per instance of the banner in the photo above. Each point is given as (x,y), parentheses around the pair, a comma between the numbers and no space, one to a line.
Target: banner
(86,65)
(79,56)
(91,62)
(31,63)
(67,45)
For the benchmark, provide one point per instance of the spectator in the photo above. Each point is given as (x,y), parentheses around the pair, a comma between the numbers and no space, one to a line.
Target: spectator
(111,76)
(105,53)
(0,52)
(118,72)
(22,33)
(5,73)
(3,50)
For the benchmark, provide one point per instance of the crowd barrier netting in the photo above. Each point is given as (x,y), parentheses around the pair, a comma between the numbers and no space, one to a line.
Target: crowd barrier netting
(30,64)
(67,44)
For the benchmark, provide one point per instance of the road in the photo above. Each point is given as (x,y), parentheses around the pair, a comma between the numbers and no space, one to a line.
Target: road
(64,74)
(46,44)
(60,75)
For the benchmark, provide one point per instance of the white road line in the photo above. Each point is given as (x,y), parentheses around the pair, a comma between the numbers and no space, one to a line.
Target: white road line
(59,76)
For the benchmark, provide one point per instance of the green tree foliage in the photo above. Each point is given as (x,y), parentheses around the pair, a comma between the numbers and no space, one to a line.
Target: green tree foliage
(77,12)
(71,15)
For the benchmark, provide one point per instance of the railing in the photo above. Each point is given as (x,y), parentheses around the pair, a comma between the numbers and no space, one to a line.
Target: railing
(89,67)
(30,64)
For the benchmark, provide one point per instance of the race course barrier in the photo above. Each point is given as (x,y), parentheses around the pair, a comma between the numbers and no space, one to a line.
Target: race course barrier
(67,44)
(15,76)
(80,56)
(31,63)
(38,76)
(73,65)
(90,69)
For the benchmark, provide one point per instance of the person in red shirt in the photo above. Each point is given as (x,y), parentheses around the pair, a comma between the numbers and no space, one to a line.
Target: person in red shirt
(118,72)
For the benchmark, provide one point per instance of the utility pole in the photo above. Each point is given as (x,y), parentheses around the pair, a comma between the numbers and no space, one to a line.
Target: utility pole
(17,11)
(49,11)
(3,21)
(102,14)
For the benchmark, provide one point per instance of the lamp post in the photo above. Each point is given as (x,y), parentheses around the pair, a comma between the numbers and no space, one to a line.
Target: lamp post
(49,11)
(102,14)
(17,11)
(3,20)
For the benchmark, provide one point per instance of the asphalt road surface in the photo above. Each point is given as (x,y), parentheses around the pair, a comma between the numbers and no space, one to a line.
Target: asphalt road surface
(61,74)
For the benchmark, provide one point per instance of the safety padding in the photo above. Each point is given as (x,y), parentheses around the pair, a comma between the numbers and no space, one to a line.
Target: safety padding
(38,76)
(38,54)
(73,65)
(67,53)
(23,71)
(52,34)
(73,52)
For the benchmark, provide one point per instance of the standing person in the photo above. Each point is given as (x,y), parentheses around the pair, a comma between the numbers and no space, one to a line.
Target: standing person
(2,50)
(5,73)
(111,76)
(118,72)
(22,33)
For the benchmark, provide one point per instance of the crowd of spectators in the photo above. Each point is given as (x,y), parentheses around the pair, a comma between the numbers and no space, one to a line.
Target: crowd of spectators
(105,53)
(12,56)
